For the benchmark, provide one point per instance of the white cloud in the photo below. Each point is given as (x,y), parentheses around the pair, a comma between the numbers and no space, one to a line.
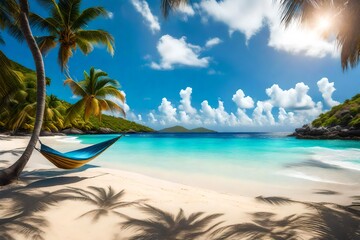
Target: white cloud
(295,98)
(212,42)
(244,16)
(178,52)
(283,108)
(185,102)
(250,16)
(262,113)
(242,101)
(143,8)
(244,119)
(168,112)
(327,89)
(110,15)
(186,10)
(151,118)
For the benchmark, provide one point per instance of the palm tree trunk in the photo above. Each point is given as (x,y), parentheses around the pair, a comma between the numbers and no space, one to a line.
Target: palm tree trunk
(12,173)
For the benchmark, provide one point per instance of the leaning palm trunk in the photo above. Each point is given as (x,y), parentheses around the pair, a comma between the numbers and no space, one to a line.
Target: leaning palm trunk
(10,174)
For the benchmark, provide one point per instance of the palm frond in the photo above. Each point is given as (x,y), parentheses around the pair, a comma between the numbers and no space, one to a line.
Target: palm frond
(74,111)
(76,88)
(44,24)
(46,43)
(65,53)
(98,37)
(115,108)
(84,46)
(87,15)
(168,5)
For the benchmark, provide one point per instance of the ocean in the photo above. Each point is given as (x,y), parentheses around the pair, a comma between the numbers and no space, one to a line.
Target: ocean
(238,163)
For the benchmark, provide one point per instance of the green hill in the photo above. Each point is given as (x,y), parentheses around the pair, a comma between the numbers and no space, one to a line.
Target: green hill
(202,130)
(26,96)
(346,114)
(180,129)
(118,124)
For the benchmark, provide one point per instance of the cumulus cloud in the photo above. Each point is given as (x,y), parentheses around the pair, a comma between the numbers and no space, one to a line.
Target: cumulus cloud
(327,89)
(143,8)
(186,10)
(294,98)
(212,42)
(242,101)
(283,107)
(167,112)
(262,113)
(239,15)
(178,52)
(250,16)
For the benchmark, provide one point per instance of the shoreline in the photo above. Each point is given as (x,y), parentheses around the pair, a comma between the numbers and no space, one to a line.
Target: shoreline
(62,212)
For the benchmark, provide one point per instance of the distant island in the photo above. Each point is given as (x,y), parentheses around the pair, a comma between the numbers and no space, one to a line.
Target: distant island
(341,122)
(180,129)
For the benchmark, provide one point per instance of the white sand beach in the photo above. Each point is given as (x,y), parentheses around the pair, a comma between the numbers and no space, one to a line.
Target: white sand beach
(64,218)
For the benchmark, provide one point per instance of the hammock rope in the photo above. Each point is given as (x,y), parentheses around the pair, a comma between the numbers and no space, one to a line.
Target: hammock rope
(76,158)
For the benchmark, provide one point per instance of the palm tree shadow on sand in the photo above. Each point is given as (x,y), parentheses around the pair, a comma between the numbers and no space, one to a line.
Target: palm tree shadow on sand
(105,200)
(326,221)
(264,225)
(20,212)
(162,225)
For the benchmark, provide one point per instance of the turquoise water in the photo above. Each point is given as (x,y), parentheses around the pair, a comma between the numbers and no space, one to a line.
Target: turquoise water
(234,158)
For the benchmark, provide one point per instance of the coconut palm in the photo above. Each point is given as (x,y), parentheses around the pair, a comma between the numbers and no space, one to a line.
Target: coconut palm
(346,18)
(54,114)
(105,200)
(21,19)
(165,226)
(93,91)
(65,27)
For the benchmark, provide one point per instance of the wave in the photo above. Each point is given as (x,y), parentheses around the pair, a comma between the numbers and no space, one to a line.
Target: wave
(69,140)
(301,175)
(343,158)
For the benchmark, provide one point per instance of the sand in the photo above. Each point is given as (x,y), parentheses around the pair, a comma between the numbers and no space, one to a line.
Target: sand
(51,201)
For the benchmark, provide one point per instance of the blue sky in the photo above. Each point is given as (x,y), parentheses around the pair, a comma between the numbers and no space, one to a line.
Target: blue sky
(227,65)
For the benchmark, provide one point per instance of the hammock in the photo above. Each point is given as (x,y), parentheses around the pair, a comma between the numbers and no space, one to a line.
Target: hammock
(77,158)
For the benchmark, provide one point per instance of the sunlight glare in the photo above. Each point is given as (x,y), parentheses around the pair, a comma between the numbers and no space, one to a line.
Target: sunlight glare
(324,23)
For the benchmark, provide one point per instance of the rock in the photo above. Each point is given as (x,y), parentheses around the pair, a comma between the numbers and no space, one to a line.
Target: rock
(335,132)
(72,131)
(105,130)
(130,131)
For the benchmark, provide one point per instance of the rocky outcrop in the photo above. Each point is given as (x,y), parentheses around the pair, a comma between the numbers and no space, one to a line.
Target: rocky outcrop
(72,131)
(336,132)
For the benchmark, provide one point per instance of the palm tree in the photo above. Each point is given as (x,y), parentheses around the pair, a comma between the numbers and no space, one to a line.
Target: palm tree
(346,18)
(9,79)
(105,201)
(166,226)
(10,174)
(54,114)
(94,90)
(65,27)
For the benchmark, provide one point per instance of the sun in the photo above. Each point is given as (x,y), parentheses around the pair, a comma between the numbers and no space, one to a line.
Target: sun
(324,23)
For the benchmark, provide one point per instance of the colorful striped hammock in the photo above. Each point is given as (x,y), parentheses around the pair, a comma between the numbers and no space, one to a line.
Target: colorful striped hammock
(77,158)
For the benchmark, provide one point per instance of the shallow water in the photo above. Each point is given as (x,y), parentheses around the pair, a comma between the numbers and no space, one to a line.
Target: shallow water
(249,163)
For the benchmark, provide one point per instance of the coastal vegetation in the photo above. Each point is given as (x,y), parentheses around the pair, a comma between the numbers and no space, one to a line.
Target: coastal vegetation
(18,108)
(346,114)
